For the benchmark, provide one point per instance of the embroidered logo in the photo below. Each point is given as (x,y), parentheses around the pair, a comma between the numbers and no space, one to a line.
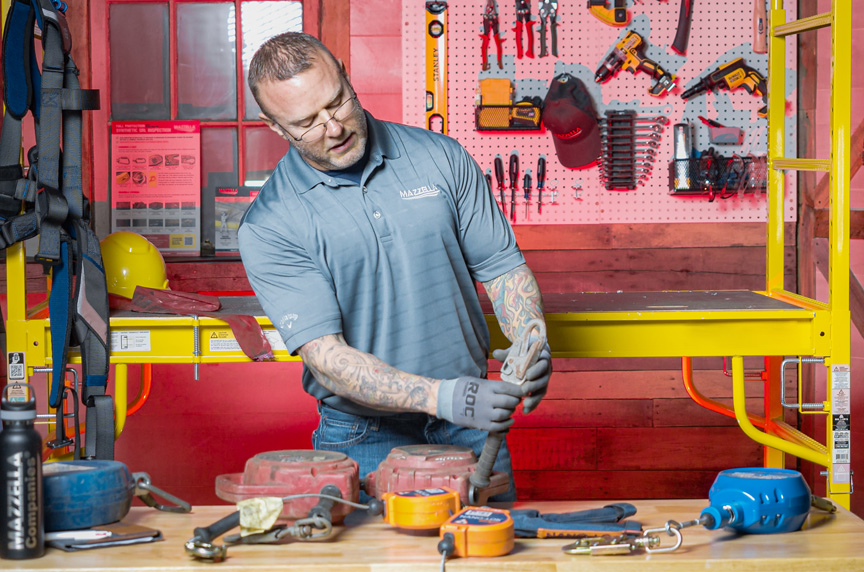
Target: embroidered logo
(420,192)
(287,321)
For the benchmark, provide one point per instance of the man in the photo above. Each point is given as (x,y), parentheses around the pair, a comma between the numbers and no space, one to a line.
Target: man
(363,248)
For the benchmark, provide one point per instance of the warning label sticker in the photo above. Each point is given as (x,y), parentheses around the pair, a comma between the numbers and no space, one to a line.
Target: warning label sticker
(17,366)
(840,438)
(223,341)
(130,341)
(275,340)
(842,474)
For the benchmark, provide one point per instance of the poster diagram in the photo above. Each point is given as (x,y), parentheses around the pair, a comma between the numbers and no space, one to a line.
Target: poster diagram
(156,182)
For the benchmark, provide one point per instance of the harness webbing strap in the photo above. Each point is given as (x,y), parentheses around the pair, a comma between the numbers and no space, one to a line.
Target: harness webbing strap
(100,428)
(54,204)
(59,308)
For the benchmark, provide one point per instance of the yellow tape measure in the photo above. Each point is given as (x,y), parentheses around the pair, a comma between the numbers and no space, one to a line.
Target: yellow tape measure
(423,509)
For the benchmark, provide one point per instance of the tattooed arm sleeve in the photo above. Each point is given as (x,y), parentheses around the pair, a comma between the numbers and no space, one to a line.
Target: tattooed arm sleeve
(516,300)
(365,379)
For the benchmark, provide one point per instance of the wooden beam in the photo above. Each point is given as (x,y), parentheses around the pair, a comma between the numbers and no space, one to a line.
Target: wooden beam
(856,223)
(822,195)
(335,18)
(645,235)
(856,292)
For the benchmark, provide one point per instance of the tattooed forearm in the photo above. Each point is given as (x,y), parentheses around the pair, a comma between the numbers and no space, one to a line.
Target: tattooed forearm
(365,379)
(516,300)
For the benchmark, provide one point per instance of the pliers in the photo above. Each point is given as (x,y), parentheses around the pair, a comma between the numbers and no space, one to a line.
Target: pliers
(523,17)
(548,9)
(490,27)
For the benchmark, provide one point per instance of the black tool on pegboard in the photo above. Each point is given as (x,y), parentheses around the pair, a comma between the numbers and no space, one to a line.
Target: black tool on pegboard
(628,147)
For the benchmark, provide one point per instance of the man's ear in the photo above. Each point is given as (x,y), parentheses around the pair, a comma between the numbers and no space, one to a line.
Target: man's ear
(275,127)
(342,67)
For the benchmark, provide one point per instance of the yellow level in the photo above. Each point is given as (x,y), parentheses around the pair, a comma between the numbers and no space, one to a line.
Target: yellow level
(436,66)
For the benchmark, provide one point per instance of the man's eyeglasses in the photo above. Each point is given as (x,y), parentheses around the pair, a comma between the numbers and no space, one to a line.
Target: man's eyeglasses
(341,114)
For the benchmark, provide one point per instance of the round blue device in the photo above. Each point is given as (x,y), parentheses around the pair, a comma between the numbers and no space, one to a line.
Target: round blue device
(82,494)
(758,500)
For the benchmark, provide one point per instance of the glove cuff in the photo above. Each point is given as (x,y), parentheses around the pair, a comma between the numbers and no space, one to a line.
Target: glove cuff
(444,408)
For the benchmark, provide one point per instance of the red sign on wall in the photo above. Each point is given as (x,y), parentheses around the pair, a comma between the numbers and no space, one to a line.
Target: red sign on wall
(156,182)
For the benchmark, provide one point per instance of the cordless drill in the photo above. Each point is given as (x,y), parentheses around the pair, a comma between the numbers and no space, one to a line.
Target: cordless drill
(627,54)
(731,76)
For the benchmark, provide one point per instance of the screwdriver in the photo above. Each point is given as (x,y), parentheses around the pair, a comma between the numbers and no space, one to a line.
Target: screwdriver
(499,176)
(541,182)
(514,182)
(526,190)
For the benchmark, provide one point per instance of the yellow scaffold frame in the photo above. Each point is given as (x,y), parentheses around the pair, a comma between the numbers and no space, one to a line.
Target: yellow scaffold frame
(772,322)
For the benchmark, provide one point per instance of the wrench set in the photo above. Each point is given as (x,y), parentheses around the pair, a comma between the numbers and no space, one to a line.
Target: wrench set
(629,144)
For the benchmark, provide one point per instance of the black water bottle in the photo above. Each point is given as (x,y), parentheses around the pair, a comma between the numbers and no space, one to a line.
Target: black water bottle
(21,512)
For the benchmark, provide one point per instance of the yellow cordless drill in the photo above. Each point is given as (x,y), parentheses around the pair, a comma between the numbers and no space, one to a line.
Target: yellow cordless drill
(627,54)
(731,76)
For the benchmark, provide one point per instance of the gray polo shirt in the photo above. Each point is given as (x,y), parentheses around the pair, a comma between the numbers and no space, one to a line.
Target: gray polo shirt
(390,263)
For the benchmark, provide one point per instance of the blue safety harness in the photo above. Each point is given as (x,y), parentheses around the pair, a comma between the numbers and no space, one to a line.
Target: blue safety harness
(49,202)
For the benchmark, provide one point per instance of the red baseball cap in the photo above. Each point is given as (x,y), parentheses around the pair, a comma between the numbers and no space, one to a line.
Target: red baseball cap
(568,113)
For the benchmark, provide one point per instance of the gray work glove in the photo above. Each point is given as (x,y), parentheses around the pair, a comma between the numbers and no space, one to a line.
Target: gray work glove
(536,378)
(478,403)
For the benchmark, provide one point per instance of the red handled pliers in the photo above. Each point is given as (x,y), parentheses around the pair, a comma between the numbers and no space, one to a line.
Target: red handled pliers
(490,28)
(523,18)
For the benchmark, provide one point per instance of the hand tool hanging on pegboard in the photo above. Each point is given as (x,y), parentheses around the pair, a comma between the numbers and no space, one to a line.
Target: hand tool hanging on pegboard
(526,190)
(541,182)
(682,33)
(730,76)
(629,146)
(514,183)
(436,66)
(490,31)
(499,177)
(523,20)
(547,10)
(628,55)
(616,16)
(760,27)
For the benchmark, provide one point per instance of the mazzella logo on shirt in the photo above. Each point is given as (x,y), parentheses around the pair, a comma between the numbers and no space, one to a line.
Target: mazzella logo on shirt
(420,192)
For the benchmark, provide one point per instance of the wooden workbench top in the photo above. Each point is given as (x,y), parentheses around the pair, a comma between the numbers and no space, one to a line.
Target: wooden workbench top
(828,543)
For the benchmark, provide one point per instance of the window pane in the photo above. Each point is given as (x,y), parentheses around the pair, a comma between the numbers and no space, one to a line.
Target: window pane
(263,150)
(139,85)
(206,61)
(218,156)
(260,21)
(218,172)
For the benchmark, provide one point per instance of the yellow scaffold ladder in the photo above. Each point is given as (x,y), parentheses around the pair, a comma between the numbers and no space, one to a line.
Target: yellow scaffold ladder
(837,362)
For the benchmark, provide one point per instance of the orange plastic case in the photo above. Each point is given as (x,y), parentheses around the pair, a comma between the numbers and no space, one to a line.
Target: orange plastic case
(422,509)
(480,531)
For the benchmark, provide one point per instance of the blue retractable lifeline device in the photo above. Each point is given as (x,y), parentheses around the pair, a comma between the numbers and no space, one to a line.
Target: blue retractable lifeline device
(757,500)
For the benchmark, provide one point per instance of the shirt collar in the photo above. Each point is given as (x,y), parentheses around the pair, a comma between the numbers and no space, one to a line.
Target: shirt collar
(305,177)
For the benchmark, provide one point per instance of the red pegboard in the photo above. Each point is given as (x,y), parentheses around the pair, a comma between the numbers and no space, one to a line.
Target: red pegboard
(720,32)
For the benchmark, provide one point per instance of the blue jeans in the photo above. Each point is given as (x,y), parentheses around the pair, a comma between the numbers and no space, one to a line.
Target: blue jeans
(368,440)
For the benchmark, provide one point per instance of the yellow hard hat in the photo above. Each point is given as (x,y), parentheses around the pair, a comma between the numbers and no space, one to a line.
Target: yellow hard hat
(131,260)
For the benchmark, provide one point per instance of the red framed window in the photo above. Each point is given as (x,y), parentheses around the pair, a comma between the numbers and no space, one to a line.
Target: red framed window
(188,60)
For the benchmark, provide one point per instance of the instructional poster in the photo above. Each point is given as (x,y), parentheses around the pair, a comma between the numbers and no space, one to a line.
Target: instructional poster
(156,182)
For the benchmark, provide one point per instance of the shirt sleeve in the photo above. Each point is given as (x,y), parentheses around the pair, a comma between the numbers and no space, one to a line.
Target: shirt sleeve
(295,295)
(488,242)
